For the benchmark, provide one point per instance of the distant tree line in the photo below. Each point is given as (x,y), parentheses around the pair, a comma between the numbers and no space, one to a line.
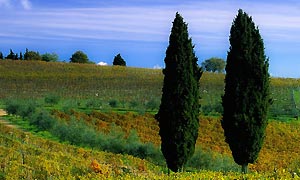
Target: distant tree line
(77,57)
(30,55)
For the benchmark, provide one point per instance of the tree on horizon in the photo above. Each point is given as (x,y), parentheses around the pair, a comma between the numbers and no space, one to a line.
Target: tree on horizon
(11,55)
(214,64)
(247,94)
(178,115)
(119,61)
(79,57)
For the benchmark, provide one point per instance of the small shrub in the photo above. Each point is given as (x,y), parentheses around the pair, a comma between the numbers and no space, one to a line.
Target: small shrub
(52,99)
(92,103)
(133,104)
(113,103)
(27,109)
(43,120)
(152,104)
(12,106)
(211,161)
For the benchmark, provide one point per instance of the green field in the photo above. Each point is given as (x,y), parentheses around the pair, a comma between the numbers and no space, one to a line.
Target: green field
(123,88)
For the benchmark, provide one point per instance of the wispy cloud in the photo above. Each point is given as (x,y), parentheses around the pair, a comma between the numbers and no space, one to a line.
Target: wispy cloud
(9,4)
(26,4)
(209,22)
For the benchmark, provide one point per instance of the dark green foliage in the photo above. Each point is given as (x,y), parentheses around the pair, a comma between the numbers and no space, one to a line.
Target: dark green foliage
(12,106)
(26,54)
(21,108)
(1,55)
(11,55)
(52,99)
(209,160)
(179,108)
(133,104)
(118,60)
(53,57)
(21,56)
(42,120)
(246,99)
(32,55)
(212,109)
(113,103)
(79,57)
(214,65)
(93,103)
(152,104)
(27,109)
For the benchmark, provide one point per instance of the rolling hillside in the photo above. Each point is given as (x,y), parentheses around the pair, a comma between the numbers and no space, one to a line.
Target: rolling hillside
(104,97)
(133,88)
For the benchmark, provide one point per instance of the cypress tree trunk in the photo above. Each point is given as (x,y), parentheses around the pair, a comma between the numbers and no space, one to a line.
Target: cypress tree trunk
(245,168)
(179,109)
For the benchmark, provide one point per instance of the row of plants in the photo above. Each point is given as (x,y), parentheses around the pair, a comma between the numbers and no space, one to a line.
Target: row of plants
(280,149)
(26,156)
(117,135)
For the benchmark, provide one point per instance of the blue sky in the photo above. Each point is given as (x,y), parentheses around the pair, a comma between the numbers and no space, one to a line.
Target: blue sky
(140,29)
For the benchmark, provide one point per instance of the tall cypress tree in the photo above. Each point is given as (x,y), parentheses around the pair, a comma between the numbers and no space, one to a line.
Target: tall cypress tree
(179,108)
(246,99)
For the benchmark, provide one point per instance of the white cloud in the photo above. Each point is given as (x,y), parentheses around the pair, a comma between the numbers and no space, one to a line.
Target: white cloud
(209,23)
(157,67)
(26,4)
(102,63)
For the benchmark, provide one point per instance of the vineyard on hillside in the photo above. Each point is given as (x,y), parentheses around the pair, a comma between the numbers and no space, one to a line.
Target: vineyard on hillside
(25,156)
(280,150)
(126,88)
(82,121)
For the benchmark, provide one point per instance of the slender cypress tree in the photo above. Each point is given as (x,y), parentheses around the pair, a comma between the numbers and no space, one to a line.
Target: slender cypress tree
(179,108)
(246,99)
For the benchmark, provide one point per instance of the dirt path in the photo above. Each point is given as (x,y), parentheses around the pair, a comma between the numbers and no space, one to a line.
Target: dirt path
(2,112)
(2,121)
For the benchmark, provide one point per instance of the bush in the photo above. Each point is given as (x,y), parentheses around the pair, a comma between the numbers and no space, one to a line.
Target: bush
(208,160)
(113,103)
(52,99)
(212,109)
(92,103)
(27,109)
(43,120)
(23,109)
(12,106)
(133,104)
(152,104)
